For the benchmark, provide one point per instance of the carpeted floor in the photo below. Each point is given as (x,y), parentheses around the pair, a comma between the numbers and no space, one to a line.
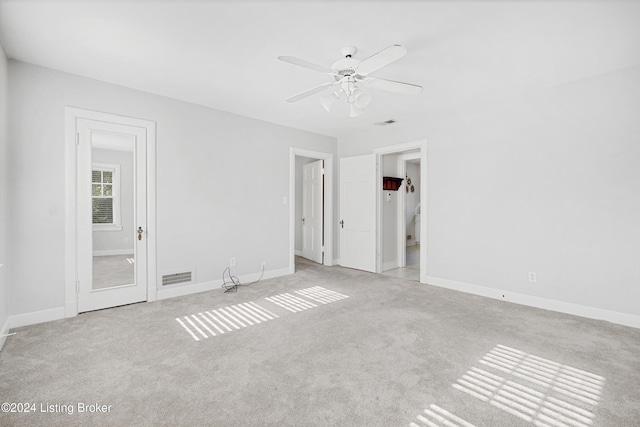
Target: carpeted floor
(394,353)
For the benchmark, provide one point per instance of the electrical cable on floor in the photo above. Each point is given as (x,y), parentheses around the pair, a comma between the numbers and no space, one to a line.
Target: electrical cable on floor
(233,283)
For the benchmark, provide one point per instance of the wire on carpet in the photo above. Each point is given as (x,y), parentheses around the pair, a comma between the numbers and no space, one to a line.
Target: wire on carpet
(234,283)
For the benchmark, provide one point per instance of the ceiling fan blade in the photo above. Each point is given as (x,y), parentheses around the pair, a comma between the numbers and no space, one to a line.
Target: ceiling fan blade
(380,59)
(310,92)
(305,64)
(392,86)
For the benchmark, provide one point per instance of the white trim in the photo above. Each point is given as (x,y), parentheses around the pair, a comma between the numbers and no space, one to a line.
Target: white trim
(421,145)
(4,331)
(72,114)
(70,226)
(298,253)
(625,319)
(328,203)
(152,272)
(106,227)
(35,317)
(110,252)
(178,291)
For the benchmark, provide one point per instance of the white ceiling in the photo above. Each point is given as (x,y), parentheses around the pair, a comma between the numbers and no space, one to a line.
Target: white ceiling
(223,54)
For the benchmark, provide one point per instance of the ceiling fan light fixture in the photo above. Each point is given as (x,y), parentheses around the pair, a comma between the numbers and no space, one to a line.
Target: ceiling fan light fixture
(355,111)
(327,101)
(361,99)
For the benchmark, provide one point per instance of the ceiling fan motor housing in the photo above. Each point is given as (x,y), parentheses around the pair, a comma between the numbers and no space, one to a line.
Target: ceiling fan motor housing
(347,66)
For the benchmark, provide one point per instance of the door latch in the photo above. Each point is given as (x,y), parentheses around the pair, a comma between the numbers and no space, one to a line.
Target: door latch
(342,223)
(140,231)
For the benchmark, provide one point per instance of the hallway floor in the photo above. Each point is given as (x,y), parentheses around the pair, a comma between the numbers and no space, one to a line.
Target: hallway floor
(412,270)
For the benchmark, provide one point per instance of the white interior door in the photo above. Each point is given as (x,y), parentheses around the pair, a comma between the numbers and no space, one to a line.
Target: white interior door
(358,212)
(312,209)
(111,214)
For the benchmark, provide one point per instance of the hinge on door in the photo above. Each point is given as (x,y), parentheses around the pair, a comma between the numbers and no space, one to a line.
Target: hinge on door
(77,138)
(77,286)
(322,171)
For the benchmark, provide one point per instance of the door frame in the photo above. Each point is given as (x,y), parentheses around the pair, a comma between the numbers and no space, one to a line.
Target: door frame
(421,145)
(72,114)
(328,203)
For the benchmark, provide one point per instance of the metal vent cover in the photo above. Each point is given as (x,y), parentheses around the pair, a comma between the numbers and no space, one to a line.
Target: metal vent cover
(175,278)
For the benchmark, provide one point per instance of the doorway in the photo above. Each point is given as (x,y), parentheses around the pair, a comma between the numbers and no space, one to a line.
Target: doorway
(112,213)
(312,210)
(407,220)
(110,246)
(401,219)
(311,207)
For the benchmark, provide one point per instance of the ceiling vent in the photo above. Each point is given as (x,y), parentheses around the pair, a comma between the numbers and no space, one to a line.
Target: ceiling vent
(386,122)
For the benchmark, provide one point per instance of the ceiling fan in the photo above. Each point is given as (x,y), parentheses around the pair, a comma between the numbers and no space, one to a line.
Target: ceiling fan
(351,74)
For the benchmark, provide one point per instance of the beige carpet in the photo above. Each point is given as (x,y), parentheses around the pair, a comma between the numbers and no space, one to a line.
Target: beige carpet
(394,353)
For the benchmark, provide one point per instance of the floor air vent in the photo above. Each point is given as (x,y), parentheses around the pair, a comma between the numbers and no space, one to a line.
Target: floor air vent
(175,278)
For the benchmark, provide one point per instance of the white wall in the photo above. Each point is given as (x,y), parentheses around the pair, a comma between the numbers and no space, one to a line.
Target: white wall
(544,182)
(221,179)
(4,188)
(121,241)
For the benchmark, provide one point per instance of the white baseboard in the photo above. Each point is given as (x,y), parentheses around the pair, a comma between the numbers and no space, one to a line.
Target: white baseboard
(27,319)
(298,253)
(71,308)
(111,252)
(625,319)
(216,284)
(3,332)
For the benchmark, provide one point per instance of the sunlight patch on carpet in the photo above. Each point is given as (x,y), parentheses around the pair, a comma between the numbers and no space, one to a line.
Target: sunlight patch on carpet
(217,322)
(435,416)
(555,395)
(321,295)
(213,323)
(291,302)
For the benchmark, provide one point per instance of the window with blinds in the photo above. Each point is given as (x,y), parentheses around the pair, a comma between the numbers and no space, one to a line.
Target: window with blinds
(102,195)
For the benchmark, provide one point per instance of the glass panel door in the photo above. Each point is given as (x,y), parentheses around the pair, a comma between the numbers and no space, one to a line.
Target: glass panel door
(112,209)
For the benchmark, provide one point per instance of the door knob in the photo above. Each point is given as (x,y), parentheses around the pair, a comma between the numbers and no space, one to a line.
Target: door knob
(140,231)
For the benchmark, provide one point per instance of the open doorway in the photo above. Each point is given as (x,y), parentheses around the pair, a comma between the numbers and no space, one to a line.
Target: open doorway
(401,231)
(409,217)
(311,208)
